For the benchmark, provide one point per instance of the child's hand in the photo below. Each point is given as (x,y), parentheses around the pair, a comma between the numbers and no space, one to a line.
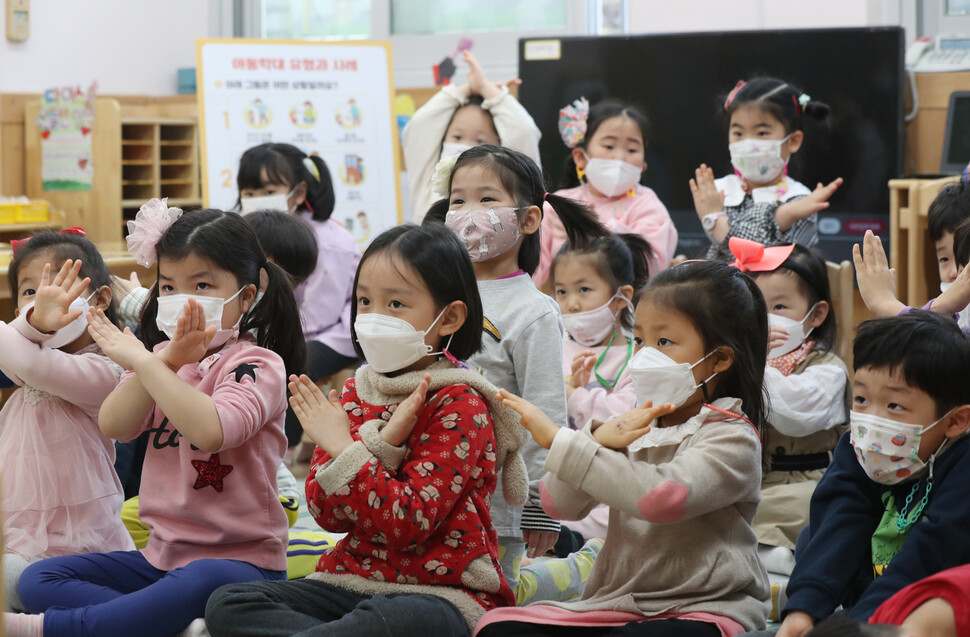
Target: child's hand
(323,420)
(125,285)
(619,432)
(541,427)
(538,543)
(582,368)
(478,84)
(707,198)
(123,348)
(191,339)
(53,300)
(405,416)
(776,336)
(957,296)
(788,213)
(796,624)
(875,279)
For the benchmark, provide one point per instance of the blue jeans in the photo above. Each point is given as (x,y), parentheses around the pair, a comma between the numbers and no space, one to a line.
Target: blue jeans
(120,594)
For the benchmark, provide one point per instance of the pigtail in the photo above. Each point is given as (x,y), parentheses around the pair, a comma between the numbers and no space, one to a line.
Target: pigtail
(816,110)
(437,212)
(320,198)
(640,253)
(582,225)
(787,103)
(276,321)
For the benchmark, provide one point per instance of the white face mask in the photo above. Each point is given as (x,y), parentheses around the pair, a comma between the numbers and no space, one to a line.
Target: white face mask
(796,332)
(266,202)
(659,378)
(758,160)
(886,449)
(170,309)
(612,177)
(589,328)
(450,149)
(390,344)
(73,330)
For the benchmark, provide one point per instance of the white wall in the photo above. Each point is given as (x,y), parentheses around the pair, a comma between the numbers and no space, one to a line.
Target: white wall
(131,47)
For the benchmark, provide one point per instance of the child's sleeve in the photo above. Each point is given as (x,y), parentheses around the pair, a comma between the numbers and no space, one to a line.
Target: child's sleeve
(358,490)
(251,393)
(722,466)
(84,380)
(809,402)
(516,128)
(421,142)
(537,358)
(756,221)
(129,309)
(600,404)
(846,508)
(651,221)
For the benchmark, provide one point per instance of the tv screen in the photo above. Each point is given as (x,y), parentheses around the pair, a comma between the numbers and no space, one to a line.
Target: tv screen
(679,82)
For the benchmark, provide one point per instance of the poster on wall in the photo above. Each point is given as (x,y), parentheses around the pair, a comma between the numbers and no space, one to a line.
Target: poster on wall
(333,100)
(66,123)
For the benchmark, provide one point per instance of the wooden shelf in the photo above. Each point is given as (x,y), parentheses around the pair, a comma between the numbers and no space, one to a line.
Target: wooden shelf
(27,227)
(175,142)
(136,142)
(137,182)
(137,162)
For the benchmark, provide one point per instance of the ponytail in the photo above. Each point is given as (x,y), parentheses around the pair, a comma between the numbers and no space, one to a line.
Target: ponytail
(581,224)
(276,319)
(273,163)
(320,198)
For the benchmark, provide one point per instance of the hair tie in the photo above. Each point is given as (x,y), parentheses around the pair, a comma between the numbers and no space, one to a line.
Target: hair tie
(544,195)
(311,167)
(441,178)
(801,102)
(154,218)
(734,93)
(572,122)
(17,244)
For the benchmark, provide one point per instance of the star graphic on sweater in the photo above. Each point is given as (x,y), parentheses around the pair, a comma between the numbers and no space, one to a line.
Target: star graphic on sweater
(211,473)
(245,369)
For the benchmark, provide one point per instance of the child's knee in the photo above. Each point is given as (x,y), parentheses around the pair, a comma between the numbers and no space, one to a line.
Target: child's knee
(219,610)
(34,585)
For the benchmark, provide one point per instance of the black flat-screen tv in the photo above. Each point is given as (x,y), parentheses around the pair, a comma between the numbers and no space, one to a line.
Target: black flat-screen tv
(679,82)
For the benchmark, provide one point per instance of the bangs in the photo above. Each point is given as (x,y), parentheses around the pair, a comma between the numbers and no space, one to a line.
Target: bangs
(259,162)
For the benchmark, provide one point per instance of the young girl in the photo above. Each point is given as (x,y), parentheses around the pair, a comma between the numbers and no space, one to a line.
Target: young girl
(457,118)
(61,495)
(807,387)
(607,145)
(494,208)
(282,177)
(681,473)
(406,463)
(760,201)
(213,398)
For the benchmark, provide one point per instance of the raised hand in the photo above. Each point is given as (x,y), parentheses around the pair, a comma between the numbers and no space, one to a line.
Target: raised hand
(53,299)
(582,368)
(619,432)
(956,297)
(478,84)
(875,279)
(324,420)
(776,336)
(191,340)
(538,424)
(123,348)
(398,429)
(707,198)
(818,200)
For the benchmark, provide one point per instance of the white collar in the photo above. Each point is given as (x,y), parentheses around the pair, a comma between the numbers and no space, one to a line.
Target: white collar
(730,185)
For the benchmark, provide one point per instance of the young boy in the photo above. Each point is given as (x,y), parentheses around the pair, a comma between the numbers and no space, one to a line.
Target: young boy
(892,507)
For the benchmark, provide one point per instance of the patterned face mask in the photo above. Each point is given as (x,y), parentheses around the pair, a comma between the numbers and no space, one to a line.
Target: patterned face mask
(886,449)
(485,233)
(758,160)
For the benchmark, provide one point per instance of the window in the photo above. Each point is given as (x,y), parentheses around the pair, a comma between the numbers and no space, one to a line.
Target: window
(438,17)
(316,19)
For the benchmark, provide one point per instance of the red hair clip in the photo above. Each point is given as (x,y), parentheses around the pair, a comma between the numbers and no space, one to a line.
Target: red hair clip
(734,92)
(751,256)
(17,244)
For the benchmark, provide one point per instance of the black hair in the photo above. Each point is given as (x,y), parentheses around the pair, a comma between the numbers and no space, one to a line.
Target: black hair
(522,179)
(928,349)
(287,240)
(284,164)
(842,625)
(727,309)
(619,259)
(441,261)
(811,274)
(599,113)
(948,209)
(474,101)
(961,243)
(63,247)
(778,98)
(229,243)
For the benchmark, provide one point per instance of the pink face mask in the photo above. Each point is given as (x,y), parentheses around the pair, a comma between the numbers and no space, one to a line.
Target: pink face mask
(485,233)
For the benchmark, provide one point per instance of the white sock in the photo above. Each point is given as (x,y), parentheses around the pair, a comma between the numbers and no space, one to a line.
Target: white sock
(22,625)
(13,566)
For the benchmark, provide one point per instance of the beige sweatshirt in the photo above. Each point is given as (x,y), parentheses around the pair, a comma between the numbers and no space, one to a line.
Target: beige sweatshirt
(681,503)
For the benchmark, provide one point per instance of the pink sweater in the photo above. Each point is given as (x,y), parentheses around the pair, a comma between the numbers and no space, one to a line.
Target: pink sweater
(222,505)
(325,297)
(642,214)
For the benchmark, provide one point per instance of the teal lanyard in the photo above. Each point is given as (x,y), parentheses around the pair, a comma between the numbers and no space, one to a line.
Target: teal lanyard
(610,384)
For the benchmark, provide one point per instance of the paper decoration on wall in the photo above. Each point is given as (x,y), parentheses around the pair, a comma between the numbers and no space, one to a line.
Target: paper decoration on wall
(66,122)
(445,70)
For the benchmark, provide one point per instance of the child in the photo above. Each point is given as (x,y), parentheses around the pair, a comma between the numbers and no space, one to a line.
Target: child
(282,177)
(608,144)
(891,508)
(61,495)
(760,201)
(494,208)
(213,398)
(681,473)
(457,118)
(406,463)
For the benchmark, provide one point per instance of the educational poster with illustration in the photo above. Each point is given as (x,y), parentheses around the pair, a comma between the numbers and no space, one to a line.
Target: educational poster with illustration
(66,123)
(328,99)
